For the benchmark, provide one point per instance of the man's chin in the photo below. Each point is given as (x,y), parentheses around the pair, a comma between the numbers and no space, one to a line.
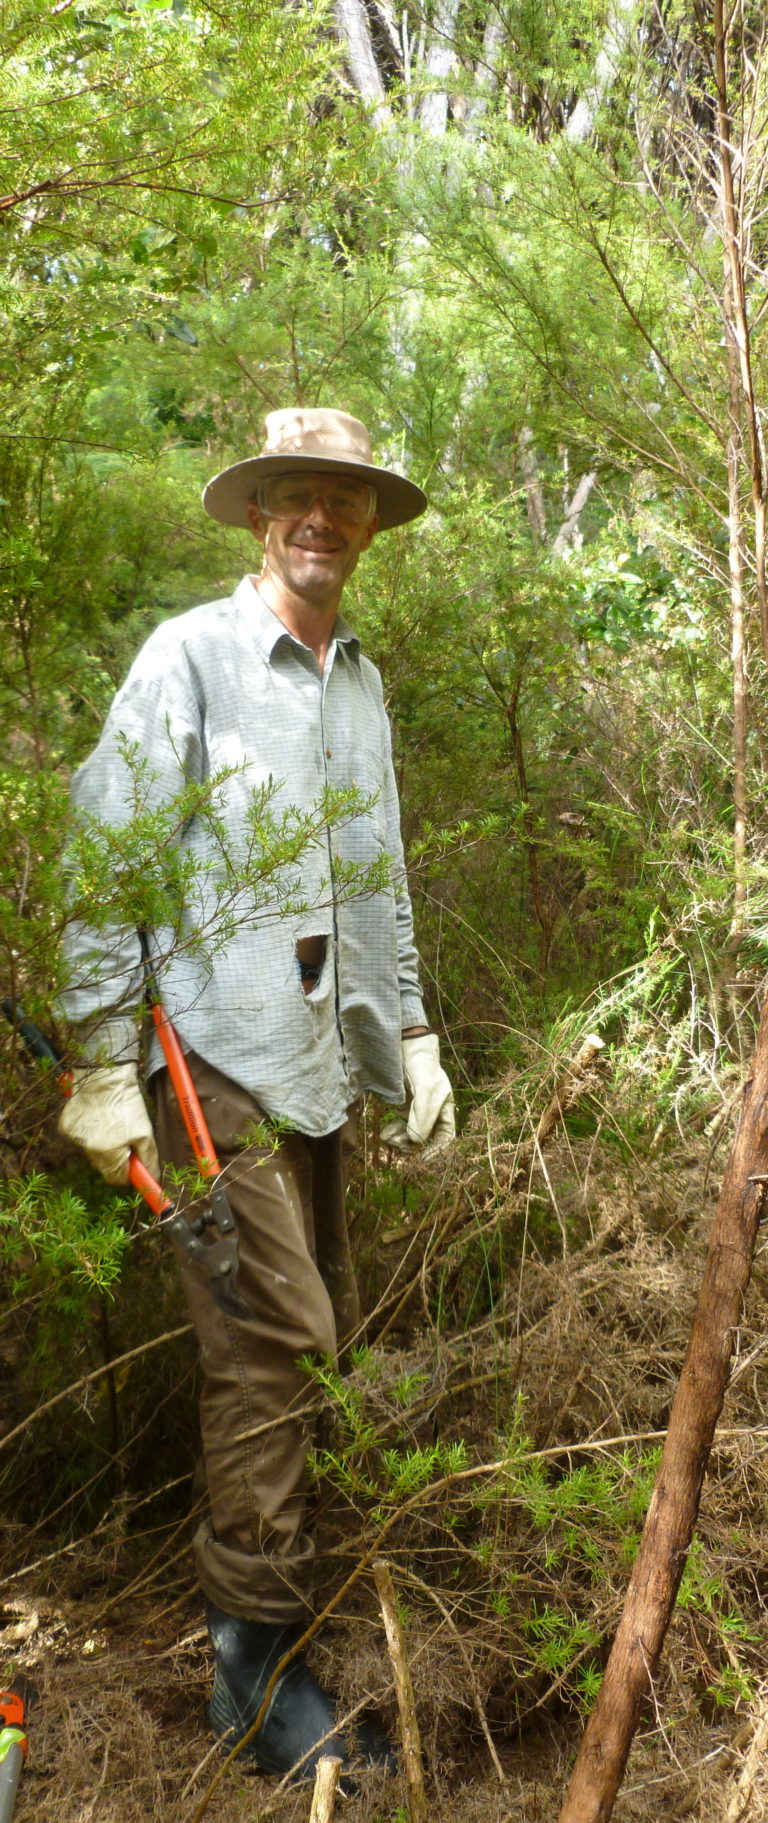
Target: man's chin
(316,578)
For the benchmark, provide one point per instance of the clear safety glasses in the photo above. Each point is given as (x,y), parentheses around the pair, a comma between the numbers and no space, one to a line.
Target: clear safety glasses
(292,496)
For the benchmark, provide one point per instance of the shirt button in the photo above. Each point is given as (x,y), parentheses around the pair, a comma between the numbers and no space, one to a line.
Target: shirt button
(329,753)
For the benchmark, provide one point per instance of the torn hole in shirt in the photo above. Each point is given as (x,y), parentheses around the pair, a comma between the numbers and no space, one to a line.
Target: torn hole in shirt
(310,957)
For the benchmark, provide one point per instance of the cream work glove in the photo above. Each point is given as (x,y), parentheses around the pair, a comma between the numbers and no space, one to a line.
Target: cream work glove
(106,1113)
(431,1122)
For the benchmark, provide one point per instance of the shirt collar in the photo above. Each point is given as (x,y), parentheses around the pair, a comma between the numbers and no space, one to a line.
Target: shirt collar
(268,631)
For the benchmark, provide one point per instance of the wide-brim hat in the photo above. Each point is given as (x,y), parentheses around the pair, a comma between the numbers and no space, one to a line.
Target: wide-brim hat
(308,441)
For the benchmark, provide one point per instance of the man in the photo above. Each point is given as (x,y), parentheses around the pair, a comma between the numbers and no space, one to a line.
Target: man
(308,1002)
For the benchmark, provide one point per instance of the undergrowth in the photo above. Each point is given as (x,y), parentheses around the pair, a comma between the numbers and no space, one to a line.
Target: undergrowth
(495,1431)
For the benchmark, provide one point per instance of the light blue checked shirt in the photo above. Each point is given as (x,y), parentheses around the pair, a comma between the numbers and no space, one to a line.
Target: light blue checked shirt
(227,685)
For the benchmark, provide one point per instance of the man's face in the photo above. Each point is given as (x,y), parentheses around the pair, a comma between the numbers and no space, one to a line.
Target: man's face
(313,552)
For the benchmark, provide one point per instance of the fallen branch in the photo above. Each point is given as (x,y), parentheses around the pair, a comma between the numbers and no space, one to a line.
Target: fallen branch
(97,1373)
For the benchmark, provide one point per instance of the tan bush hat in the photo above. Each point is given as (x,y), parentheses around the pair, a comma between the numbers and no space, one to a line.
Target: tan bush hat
(305,440)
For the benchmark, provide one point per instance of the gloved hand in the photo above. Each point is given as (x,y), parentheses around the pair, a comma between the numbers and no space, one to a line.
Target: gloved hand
(431,1122)
(106,1113)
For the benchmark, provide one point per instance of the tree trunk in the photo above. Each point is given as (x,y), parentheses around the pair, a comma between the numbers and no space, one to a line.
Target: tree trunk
(438,63)
(567,1091)
(580,124)
(354,32)
(569,529)
(326,1785)
(674,1505)
(738,326)
(546,923)
(486,73)
(406,1702)
(534,496)
(736,567)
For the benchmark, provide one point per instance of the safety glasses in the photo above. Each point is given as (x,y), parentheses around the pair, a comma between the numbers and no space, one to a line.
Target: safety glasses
(292,496)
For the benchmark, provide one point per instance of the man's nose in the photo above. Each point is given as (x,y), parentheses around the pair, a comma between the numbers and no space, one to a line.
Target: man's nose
(318,512)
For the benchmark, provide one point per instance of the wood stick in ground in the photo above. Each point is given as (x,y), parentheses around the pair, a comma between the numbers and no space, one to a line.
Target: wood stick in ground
(409,1727)
(674,1505)
(324,1794)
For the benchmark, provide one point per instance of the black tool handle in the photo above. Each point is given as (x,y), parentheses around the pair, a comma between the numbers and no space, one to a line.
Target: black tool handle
(34,1039)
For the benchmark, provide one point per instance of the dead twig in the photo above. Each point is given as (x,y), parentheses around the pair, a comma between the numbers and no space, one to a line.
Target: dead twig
(132,1354)
(324,1794)
(409,1727)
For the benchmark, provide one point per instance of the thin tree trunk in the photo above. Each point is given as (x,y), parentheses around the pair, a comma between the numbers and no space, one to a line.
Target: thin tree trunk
(486,73)
(438,63)
(509,702)
(574,510)
(387,15)
(545,923)
(579,126)
(354,31)
(736,567)
(739,326)
(534,497)
(568,1089)
(674,1505)
(326,1786)
(406,1702)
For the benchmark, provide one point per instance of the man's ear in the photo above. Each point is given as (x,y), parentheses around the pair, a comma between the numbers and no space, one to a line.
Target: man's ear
(256,521)
(371,530)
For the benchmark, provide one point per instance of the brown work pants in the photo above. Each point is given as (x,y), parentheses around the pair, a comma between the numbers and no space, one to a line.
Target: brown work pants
(252,1553)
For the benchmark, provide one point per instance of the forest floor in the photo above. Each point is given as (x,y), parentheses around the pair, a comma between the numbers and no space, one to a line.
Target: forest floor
(553,1316)
(118,1735)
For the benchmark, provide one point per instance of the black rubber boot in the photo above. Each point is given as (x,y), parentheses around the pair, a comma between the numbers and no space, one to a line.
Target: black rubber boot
(300,1714)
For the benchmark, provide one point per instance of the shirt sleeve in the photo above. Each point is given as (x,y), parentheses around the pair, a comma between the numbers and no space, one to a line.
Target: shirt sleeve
(411,1002)
(150,750)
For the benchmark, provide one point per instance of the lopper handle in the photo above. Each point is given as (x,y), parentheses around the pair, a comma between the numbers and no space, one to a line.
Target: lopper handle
(148,1187)
(13,1747)
(186,1094)
(36,1042)
(11,1763)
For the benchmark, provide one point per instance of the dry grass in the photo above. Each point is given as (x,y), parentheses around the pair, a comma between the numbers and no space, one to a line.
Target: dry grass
(574,1293)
